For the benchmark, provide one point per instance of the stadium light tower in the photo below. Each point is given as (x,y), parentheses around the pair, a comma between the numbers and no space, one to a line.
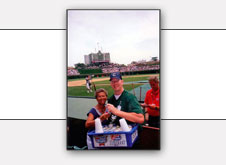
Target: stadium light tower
(97,46)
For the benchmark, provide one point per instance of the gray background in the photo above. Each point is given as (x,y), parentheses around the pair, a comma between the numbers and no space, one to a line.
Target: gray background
(44,141)
(52,13)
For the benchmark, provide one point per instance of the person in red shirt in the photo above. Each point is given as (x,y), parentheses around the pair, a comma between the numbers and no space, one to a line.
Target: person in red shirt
(151,103)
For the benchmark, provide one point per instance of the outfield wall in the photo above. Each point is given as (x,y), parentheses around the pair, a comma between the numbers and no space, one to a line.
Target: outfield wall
(123,74)
(79,107)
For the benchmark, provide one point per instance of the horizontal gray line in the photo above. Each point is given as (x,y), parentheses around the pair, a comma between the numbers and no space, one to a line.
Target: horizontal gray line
(193,29)
(33,29)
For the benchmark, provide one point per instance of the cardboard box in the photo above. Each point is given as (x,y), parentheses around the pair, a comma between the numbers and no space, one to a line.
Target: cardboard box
(114,139)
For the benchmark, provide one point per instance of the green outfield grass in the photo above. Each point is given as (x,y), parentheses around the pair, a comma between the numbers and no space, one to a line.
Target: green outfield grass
(81,90)
(125,79)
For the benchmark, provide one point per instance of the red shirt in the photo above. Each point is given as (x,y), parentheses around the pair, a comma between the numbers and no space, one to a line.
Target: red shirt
(152,98)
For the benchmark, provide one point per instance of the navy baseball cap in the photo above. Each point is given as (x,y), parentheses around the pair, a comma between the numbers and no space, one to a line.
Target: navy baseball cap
(115,75)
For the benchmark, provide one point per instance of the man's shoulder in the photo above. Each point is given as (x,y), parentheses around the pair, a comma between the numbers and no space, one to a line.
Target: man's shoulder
(128,95)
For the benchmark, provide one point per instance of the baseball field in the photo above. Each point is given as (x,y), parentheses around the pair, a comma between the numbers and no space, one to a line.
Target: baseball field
(135,84)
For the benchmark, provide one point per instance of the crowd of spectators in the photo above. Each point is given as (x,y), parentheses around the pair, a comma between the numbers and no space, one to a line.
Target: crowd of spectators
(72,72)
(112,67)
(118,68)
(131,68)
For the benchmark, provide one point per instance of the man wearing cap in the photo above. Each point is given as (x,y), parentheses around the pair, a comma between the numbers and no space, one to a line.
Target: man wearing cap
(123,104)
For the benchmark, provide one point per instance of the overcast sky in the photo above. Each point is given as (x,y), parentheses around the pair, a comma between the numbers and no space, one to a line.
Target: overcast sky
(128,35)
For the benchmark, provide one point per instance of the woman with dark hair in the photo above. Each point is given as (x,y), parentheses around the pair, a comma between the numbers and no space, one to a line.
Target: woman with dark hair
(99,111)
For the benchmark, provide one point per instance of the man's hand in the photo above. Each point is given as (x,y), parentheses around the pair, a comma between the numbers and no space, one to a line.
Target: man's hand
(144,105)
(112,109)
(153,106)
(130,116)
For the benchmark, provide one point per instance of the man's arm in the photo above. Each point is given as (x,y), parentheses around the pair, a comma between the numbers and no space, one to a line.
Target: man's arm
(151,106)
(130,116)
